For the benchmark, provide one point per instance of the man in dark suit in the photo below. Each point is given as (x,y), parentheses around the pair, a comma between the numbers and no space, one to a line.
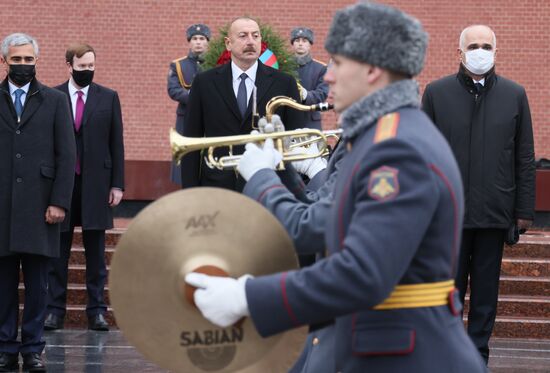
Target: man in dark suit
(37,155)
(220,103)
(99,182)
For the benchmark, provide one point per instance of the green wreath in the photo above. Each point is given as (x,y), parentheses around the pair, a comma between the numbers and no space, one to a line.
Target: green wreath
(217,54)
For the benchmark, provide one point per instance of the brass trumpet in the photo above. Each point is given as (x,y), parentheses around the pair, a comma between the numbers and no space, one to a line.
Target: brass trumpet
(183,145)
(277,101)
(284,141)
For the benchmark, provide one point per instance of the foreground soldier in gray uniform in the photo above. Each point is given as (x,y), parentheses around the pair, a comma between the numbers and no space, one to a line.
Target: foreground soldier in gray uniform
(392,228)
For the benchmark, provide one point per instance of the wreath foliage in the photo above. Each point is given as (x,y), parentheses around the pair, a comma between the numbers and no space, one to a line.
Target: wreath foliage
(218,55)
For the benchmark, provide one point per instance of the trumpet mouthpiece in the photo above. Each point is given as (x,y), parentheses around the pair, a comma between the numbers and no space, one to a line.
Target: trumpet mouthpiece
(323,106)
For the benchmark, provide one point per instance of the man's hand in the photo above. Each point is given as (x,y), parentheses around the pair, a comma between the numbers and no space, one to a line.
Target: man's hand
(54,214)
(523,225)
(311,166)
(221,300)
(255,159)
(115,196)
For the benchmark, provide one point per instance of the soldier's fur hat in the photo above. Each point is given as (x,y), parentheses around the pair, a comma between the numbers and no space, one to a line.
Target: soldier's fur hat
(198,29)
(301,32)
(379,35)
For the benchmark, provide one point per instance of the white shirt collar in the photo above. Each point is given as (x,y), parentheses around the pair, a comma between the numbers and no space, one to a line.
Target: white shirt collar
(251,72)
(482,81)
(73,89)
(13,87)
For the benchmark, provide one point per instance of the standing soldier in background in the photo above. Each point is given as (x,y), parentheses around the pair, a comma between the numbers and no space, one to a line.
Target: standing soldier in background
(180,77)
(310,72)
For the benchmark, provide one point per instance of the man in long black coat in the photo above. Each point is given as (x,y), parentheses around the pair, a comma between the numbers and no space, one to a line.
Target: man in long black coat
(99,182)
(213,108)
(37,156)
(486,119)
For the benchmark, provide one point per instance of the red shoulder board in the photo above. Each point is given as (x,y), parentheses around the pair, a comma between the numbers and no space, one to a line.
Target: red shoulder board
(386,128)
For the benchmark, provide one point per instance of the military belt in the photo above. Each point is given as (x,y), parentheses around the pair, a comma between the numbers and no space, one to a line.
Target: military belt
(418,295)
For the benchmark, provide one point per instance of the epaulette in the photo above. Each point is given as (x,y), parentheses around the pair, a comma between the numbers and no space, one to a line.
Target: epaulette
(179,59)
(386,128)
(181,79)
(321,62)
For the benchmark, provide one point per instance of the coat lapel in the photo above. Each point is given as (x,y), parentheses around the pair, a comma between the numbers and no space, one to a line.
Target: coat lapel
(65,89)
(91,103)
(264,80)
(32,102)
(224,84)
(8,115)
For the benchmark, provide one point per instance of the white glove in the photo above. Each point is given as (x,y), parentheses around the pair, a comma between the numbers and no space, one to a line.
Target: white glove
(303,93)
(221,300)
(311,166)
(255,159)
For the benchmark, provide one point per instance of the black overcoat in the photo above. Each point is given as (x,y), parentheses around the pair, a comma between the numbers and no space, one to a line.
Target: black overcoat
(101,151)
(212,111)
(491,136)
(37,159)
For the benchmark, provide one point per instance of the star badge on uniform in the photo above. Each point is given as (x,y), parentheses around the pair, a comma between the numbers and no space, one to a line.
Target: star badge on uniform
(383,183)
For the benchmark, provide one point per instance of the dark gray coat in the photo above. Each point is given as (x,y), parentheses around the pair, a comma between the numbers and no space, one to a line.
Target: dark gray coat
(37,160)
(491,136)
(375,242)
(312,78)
(101,150)
(179,86)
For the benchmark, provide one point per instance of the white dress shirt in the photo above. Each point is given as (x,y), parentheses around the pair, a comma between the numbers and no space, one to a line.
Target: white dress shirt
(74,95)
(250,81)
(25,89)
(482,81)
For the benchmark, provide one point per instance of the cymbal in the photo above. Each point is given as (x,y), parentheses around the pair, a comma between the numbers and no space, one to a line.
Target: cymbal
(212,228)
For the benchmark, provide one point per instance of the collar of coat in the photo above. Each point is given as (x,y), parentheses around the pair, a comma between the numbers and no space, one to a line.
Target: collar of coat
(196,57)
(468,83)
(33,88)
(303,60)
(365,112)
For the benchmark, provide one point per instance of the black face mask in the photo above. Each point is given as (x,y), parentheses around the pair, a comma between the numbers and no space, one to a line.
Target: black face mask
(83,77)
(21,74)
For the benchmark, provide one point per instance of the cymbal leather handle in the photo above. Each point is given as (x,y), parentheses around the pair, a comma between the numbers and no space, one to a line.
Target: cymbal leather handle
(189,290)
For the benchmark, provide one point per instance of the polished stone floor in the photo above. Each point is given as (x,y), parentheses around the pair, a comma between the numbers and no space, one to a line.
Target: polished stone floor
(73,351)
(69,351)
